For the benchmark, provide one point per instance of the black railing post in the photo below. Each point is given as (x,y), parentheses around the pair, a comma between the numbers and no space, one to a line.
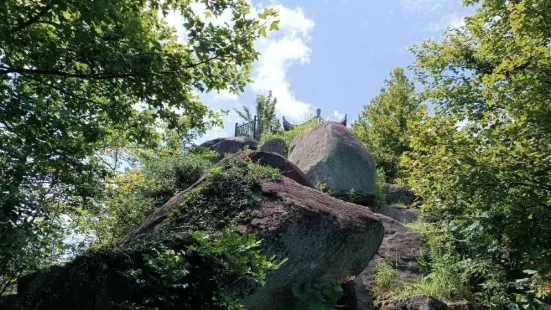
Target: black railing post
(254,127)
(236,124)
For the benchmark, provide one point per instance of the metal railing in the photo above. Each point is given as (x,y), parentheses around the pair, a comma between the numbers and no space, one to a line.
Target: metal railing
(251,129)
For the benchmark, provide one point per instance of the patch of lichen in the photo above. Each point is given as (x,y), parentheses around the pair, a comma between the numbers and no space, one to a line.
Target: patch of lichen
(228,190)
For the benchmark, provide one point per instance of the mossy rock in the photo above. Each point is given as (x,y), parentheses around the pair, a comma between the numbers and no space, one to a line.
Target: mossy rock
(323,238)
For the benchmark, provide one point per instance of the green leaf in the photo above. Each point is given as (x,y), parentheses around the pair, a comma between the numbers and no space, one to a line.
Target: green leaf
(274,25)
(262,31)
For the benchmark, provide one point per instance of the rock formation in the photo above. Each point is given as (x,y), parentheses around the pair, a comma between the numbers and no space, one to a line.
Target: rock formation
(276,145)
(329,153)
(323,238)
(229,145)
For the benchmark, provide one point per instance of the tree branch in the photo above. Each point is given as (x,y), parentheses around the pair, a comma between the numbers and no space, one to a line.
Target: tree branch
(34,19)
(102,76)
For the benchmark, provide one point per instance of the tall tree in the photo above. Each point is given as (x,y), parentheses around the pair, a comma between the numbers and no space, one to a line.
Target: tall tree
(75,74)
(483,162)
(384,124)
(265,113)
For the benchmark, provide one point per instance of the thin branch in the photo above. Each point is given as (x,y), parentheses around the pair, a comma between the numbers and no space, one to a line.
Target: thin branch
(101,76)
(33,19)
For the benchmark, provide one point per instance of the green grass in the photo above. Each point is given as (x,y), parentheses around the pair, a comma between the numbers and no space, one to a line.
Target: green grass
(445,279)
(384,279)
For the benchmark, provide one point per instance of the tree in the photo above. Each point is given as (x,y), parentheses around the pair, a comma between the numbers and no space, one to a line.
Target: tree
(482,162)
(384,126)
(265,112)
(76,74)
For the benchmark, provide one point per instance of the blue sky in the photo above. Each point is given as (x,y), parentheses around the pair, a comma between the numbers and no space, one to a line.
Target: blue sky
(335,54)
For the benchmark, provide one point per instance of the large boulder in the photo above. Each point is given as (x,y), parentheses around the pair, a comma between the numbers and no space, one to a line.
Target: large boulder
(229,145)
(323,238)
(399,250)
(276,145)
(329,153)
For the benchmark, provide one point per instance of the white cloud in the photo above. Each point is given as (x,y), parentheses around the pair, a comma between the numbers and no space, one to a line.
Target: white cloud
(452,20)
(420,6)
(225,95)
(336,116)
(279,51)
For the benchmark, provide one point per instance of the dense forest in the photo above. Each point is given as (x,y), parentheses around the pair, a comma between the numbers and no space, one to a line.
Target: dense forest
(99,115)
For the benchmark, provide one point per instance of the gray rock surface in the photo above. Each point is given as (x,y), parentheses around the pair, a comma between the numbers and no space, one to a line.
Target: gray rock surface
(276,145)
(402,215)
(399,194)
(419,302)
(331,154)
(399,249)
(229,145)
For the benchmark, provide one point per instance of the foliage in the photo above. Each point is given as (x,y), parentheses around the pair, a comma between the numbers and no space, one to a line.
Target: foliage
(384,278)
(448,277)
(46,246)
(324,188)
(138,192)
(530,292)
(212,207)
(384,125)
(353,196)
(482,163)
(380,186)
(318,295)
(77,78)
(239,262)
(265,113)
(237,267)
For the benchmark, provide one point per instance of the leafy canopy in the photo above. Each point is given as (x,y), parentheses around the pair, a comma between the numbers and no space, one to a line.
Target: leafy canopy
(78,78)
(384,124)
(482,162)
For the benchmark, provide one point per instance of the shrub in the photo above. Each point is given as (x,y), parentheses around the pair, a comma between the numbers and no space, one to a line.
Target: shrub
(380,183)
(448,277)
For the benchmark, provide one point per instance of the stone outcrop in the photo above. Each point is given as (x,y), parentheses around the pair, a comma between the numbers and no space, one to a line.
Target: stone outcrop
(329,153)
(323,238)
(276,145)
(229,145)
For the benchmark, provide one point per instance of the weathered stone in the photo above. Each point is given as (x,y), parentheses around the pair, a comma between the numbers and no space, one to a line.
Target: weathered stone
(276,145)
(329,153)
(323,238)
(399,249)
(401,215)
(229,145)
(418,302)
(399,194)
